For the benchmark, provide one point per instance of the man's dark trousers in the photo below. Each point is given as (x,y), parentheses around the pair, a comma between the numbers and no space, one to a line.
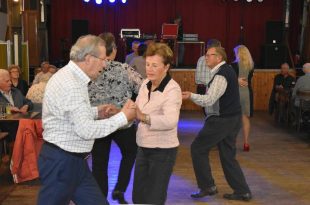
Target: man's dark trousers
(220,131)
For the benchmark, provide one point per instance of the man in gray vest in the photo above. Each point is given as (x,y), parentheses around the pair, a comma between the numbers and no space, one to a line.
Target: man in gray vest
(223,122)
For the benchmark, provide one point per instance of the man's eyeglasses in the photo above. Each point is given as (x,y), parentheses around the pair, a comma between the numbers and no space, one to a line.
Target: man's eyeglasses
(211,54)
(98,58)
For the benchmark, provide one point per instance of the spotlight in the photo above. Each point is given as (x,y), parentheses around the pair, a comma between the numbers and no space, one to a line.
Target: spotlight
(111,1)
(124,1)
(249,0)
(260,1)
(86,1)
(98,1)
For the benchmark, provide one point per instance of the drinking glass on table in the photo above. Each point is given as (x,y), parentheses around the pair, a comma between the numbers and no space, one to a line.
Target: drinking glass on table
(8,109)
(2,110)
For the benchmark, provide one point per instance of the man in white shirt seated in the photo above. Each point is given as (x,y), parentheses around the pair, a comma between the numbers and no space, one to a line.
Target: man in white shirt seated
(14,101)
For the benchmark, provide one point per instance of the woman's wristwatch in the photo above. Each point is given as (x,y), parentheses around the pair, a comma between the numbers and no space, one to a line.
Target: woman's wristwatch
(146,119)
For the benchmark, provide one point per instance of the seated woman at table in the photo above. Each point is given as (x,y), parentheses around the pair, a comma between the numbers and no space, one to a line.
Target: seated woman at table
(17,82)
(14,99)
(36,91)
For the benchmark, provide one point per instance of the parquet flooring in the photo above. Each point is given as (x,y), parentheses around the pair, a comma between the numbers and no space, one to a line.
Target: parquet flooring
(277,168)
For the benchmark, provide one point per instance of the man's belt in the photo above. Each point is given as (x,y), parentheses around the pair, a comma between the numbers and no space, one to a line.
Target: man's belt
(83,155)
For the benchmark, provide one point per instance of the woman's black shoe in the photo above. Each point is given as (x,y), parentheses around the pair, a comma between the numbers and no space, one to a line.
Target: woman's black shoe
(119,196)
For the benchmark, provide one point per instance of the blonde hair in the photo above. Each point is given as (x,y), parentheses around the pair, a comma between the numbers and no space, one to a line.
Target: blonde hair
(243,57)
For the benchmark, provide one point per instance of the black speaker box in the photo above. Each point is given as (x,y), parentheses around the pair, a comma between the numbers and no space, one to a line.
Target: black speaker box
(274,32)
(79,28)
(33,4)
(273,55)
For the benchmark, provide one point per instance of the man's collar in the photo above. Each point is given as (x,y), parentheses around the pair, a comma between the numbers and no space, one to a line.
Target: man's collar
(81,74)
(216,68)
(4,93)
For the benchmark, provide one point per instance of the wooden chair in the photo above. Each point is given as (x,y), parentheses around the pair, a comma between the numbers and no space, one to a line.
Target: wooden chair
(304,106)
(283,97)
(3,135)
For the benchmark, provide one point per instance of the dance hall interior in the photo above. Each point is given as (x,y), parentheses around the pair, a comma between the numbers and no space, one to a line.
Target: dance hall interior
(173,102)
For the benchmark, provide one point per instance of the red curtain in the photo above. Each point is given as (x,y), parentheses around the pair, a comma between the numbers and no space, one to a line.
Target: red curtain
(295,25)
(221,19)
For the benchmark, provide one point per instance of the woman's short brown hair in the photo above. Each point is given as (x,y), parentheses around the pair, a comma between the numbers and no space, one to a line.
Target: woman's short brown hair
(162,50)
(11,67)
(109,42)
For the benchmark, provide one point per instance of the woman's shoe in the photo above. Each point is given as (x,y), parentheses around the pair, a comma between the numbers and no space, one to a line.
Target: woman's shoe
(246,147)
(119,196)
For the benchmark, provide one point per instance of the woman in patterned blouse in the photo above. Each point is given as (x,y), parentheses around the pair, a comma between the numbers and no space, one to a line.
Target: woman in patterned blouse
(117,83)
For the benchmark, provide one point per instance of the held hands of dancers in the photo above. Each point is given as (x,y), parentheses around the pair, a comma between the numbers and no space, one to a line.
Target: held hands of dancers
(186,95)
(107,110)
(129,109)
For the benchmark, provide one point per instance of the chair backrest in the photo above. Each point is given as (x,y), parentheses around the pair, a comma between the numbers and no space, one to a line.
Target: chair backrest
(303,94)
(37,107)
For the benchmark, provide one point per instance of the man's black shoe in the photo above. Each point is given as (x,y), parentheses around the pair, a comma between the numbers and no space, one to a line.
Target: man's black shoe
(205,192)
(242,197)
(119,196)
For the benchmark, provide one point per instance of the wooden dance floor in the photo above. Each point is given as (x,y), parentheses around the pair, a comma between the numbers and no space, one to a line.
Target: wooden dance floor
(277,168)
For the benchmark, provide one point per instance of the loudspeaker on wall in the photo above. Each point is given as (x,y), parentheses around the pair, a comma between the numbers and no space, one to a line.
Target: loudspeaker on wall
(274,32)
(274,55)
(79,28)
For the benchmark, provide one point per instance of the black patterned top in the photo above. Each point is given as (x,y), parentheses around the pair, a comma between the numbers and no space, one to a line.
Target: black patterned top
(117,83)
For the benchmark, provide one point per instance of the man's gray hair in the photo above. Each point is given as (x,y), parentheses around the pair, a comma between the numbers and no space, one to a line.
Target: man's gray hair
(87,44)
(306,68)
(3,72)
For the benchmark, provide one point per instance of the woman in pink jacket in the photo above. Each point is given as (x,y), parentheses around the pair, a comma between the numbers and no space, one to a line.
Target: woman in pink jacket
(158,108)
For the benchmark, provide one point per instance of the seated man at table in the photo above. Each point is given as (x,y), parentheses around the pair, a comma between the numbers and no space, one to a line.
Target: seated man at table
(302,84)
(283,80)
(45,67)
(15,100)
